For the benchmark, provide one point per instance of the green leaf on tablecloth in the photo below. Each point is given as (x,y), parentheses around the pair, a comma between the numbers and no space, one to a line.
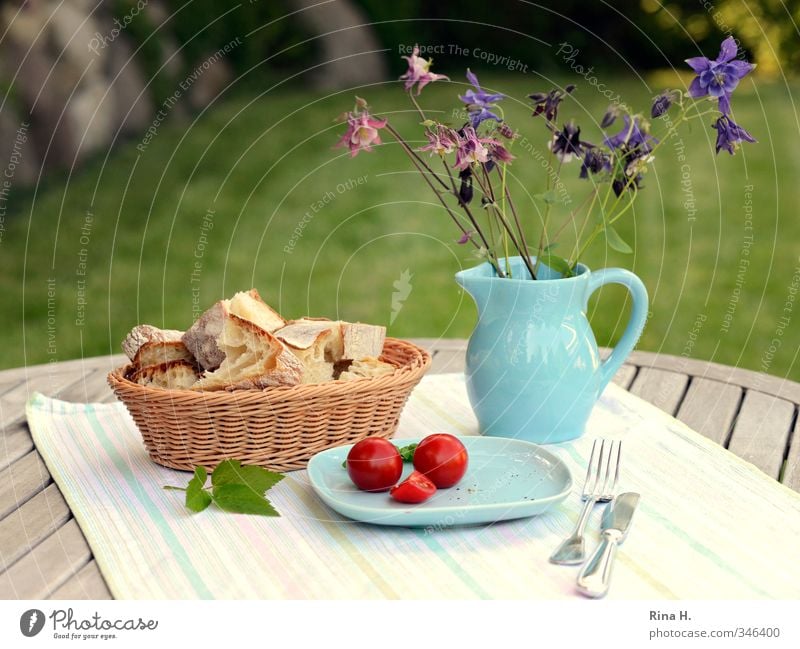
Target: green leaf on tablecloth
(197,498)
(241,499)
(255,477)
(201,475)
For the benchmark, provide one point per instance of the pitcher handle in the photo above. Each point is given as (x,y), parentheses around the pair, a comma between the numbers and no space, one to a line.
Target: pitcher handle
(636,323)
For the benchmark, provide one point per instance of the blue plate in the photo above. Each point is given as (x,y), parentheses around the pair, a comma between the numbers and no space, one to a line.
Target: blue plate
(505,479)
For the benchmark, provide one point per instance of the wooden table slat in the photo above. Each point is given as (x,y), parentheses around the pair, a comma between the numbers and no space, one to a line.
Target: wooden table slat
(782,388)
(791,474)
(762,431)
(663,389)
(448,360)
(625,376)
(16,442)
(21,481)
(88,583)
(47,566)
(710,408)
(25,528)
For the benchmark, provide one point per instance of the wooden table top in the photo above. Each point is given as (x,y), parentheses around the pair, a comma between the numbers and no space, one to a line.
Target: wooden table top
(44,555)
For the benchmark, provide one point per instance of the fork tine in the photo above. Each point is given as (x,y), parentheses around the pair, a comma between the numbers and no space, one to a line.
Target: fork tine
(612,471)
(616,473)
(589,473)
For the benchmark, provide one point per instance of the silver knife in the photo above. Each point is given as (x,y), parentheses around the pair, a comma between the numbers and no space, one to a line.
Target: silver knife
(595,575)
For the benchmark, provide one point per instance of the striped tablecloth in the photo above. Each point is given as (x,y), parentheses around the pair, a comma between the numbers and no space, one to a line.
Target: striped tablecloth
(710,525)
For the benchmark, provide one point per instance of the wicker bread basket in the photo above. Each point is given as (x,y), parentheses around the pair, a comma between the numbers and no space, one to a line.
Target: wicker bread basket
(278,428)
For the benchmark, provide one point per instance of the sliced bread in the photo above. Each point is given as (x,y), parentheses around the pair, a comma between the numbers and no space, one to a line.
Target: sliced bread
(314,343)
(201,338)
(173,375)
(360,341)
(144,334)
(366,368)
(252,358)
(156,353)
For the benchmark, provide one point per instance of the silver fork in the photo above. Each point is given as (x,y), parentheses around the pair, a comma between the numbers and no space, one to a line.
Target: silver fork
(602,475)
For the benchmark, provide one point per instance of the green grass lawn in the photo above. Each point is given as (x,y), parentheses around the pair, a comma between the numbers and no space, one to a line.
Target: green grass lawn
(318,233)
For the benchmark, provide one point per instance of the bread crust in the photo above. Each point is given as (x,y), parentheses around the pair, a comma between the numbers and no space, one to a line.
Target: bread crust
(143,334)
(155,353)
(166,375)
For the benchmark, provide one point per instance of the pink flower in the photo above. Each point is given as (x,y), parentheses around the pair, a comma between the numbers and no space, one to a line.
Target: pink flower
(419,72)
(471,148)
(362,132)
(441,142)
(499,153)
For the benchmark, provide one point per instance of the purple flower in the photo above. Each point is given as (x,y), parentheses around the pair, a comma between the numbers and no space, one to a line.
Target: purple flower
(719,78)
(595,160)
(479,102)
(546,103)
(730,134)
(662,103)
(419,72)
(470,148)
(631,137)
(440,142)
(465,238)
(566,143)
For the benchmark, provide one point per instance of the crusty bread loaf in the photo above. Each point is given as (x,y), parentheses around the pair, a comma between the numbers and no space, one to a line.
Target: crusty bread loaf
(143,334)
(360,341)
(201,338)
(252,358)
(366,368)
(156,353)
(250,306)
(312,342)
(173,375)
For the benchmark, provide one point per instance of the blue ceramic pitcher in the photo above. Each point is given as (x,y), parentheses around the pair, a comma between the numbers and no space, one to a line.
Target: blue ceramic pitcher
(533,368)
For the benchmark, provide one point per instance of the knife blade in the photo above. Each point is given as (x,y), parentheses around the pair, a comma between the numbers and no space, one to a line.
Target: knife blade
(594,577)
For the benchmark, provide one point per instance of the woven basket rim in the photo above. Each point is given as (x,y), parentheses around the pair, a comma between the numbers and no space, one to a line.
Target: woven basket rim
(411,372)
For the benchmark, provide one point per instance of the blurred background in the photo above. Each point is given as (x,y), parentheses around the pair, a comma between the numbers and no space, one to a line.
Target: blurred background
(159,155)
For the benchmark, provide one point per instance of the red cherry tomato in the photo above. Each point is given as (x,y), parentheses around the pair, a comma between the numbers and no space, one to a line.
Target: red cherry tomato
(442,458)
(416,488)
(374,464)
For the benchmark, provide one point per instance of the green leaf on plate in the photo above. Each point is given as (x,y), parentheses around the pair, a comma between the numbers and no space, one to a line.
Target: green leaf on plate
(197,498)
(616,242)
(255,478)
(241,499)
(407,452)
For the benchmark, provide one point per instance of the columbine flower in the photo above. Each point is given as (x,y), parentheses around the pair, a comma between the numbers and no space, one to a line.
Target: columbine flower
(546,103)
(362,132)
(632,137)
(662,103)
(498,153)
(419,72)
(465,191)
(566,143)
(440,142)
(730,135)
(595,160)
(479,102)
(612,112)
(470,148)
(719,78)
